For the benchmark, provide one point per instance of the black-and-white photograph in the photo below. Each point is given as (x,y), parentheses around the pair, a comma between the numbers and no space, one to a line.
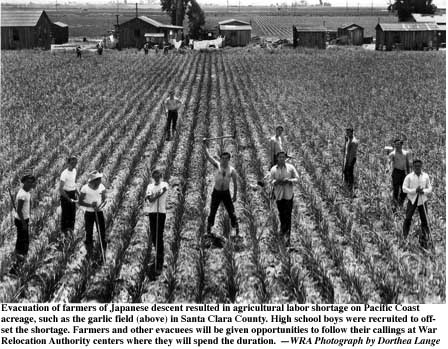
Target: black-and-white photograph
(220,152)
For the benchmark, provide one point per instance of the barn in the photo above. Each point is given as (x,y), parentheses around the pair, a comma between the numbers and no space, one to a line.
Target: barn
(132,33)
(351,34)
(59,33)
(236,32)
(313,37)
(25,29)
(440,20)
(405,36)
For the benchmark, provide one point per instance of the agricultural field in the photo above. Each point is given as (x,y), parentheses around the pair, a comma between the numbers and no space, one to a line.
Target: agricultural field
(108,110)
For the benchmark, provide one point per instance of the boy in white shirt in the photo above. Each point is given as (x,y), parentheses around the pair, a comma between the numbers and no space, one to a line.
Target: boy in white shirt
(69,195)
(417,186)
(93,198)
(156,195)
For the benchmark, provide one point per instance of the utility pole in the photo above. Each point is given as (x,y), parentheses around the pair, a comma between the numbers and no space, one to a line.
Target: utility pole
(136,10)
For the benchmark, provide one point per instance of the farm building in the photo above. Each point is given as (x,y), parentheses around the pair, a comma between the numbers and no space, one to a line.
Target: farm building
(236,32)
(440,20)
(132,33)
(59,33)
(351,34)
(314,37)
(405,36)
(25,29)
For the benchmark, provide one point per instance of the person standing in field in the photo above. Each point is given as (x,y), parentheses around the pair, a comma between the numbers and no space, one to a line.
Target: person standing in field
(21,220)
(78,51)
(69,195)
(172,106)
(283,176)
(399,164)
(156,195)
(417,186)
(221,190)
(350,152)
(277,144)
(93,198)
(146,48)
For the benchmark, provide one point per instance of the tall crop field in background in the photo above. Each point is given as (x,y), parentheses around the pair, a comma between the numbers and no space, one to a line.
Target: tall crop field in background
(108,110)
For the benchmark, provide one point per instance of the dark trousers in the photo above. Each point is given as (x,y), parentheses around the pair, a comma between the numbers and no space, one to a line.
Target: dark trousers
(172,121)
(410,209)
(274,161)
(285,212)
(68,211)
(217,197)
(398,177)
(157,228)
(78,54)
(23,238)
(349,177)
(89,223)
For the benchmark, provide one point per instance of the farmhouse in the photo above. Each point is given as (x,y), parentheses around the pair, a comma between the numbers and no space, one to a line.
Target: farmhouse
(405,36)
(351,34)
(440,20)
(132,33)
(314,37)
(25,29)
(59,33)
(236,32)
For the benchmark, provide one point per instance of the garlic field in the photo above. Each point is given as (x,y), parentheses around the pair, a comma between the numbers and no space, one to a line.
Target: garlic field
(108,109)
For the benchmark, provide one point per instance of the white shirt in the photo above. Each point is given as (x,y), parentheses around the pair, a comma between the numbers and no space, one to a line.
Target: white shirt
(26,197)
(157,189)
(283,191)
(92,196)
(69,179)
(276,144)
(410,184)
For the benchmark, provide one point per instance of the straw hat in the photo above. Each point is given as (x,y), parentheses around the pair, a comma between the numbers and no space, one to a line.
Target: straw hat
(94,175)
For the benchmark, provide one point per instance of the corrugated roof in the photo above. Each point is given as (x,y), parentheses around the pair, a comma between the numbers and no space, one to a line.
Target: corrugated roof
(60,24)
(233,20)
(345,26)
(235,27)
(423,18)
(311,29)
(155,23)
(20,18)
(441,27)
(410,27)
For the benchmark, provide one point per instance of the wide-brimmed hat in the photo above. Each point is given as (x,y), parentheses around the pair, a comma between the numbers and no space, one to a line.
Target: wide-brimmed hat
(94,175)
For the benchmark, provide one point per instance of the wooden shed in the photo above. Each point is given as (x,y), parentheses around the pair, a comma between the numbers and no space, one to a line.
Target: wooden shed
(440,20)
(25,29)
(314,37)
(351,34)
(236,32)
(59,33)
(132,33)
(405,36)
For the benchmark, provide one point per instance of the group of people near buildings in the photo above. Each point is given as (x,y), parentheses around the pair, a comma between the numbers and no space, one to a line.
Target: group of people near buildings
(409,186)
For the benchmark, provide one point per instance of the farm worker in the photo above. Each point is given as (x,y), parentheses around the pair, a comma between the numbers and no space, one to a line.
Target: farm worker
(350,151)
(399,164)
(69,195)
(21,220)
(283,176)
(172,106)
(417,186)
(156,195)
(277,144)
(146,48)
(221,190)
(78,51)
(93,198)
(99,47)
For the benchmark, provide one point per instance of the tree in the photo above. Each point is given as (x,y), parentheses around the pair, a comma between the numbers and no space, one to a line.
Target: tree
(196,19)
(175,9)
(404,8)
